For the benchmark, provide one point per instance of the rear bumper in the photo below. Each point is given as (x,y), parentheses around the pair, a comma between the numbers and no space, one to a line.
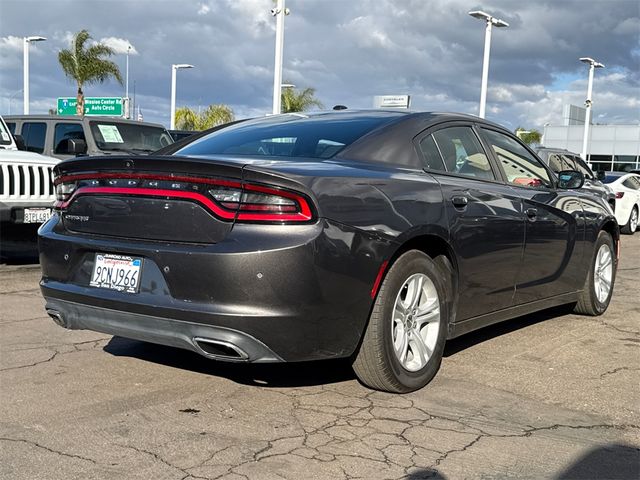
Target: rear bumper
(214,342)
(289,293)
(14,212)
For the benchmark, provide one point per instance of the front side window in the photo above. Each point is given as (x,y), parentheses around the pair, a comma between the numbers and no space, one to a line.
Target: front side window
(34,135)
(462,153)
(520,166)
(582,167)
(63,132)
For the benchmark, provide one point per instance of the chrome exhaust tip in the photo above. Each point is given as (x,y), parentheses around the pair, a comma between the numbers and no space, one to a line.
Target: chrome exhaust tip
(220,349)
(57,317)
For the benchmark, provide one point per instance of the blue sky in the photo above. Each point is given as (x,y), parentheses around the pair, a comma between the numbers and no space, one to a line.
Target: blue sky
(348,50)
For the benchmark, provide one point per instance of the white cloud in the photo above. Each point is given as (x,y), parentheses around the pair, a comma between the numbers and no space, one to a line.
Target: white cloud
(204,9)
(119,45)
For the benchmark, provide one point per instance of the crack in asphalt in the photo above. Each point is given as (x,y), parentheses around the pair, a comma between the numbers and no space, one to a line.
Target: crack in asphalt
(48,449)
(55,354)
(163,461)
(9,322)
(345,431)
(618,329)
(18,367)
(619,369)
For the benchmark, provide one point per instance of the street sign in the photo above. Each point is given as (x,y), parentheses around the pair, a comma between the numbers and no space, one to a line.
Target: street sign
(111,106)
(391,101)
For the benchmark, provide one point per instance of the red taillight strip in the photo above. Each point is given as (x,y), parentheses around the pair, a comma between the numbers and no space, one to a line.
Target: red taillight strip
(301,216)
(376,284)
(152,192)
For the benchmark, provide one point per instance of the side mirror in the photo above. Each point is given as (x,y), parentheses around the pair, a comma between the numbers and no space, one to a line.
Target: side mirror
(600,175)
(570,179)
(19,142)
(76,146)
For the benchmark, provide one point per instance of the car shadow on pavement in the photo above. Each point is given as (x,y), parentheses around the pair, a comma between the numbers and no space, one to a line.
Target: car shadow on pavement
(463,342)
(613,461)
(299,374)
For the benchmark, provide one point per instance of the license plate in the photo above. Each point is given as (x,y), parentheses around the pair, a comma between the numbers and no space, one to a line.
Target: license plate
(116,272)
(36,215)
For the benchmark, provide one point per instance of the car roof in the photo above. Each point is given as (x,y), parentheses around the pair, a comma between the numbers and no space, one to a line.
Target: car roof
(76,118)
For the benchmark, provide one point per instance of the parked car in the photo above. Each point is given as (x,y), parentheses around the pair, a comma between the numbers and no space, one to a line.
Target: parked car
(26,193)
(181,134)
(559,159)
(373,235)
(627,190)
(66,136)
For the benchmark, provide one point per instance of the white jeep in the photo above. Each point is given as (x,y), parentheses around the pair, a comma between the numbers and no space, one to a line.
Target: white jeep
(26,190)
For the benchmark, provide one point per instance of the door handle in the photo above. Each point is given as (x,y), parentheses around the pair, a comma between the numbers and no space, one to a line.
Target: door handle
(532,213)
(460,201)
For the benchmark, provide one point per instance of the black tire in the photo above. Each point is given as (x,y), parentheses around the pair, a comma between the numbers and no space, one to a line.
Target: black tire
(588,302)
(629,228)
(376,363)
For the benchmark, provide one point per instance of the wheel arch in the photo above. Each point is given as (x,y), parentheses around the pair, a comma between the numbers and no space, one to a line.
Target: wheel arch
(611,227)
(434,246)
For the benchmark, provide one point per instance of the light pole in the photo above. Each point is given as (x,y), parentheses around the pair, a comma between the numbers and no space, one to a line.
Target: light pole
(280,11)
(490,21)
(126,83)
(25,66)
(174,69)
(587,117)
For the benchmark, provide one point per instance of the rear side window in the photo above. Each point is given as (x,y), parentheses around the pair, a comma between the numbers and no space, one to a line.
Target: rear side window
(34,135)
(313,137)
(432,158)
(64,132)
(12,127)
(520,166)
(631,183)
(462,153)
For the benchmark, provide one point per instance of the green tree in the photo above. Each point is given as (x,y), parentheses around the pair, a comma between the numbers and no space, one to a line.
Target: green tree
(294,100)
(87,65)
(530,137)
(213,115)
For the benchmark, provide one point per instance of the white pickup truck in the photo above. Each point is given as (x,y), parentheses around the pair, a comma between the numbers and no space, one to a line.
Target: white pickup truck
(26,189)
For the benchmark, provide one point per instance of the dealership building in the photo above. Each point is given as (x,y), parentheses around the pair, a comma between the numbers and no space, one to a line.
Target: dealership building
(610,147)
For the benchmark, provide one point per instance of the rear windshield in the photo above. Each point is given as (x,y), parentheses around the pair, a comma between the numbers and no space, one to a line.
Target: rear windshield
(287,136)
(129,137)
(611,178)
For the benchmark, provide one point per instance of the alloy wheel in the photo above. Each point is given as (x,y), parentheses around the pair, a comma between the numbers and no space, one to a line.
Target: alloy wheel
(603,273)
(416,322)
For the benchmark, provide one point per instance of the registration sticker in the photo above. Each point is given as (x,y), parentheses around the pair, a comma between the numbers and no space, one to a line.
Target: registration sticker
(116,272)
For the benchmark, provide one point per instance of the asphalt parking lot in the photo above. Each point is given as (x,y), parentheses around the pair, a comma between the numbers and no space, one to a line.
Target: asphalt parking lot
(551,395)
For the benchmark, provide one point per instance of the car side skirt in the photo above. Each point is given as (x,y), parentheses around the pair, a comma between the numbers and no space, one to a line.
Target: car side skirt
(471,324)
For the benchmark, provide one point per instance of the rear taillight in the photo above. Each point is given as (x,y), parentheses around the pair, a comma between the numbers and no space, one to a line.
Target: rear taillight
(619,194)
(227,199)
(64,191)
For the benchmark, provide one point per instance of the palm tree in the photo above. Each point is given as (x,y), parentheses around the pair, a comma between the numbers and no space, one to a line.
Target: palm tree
(530,137)
(294,100)
(188,119)
(87,66)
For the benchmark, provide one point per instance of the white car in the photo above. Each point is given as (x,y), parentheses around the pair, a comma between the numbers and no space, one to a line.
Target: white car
(626,186)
